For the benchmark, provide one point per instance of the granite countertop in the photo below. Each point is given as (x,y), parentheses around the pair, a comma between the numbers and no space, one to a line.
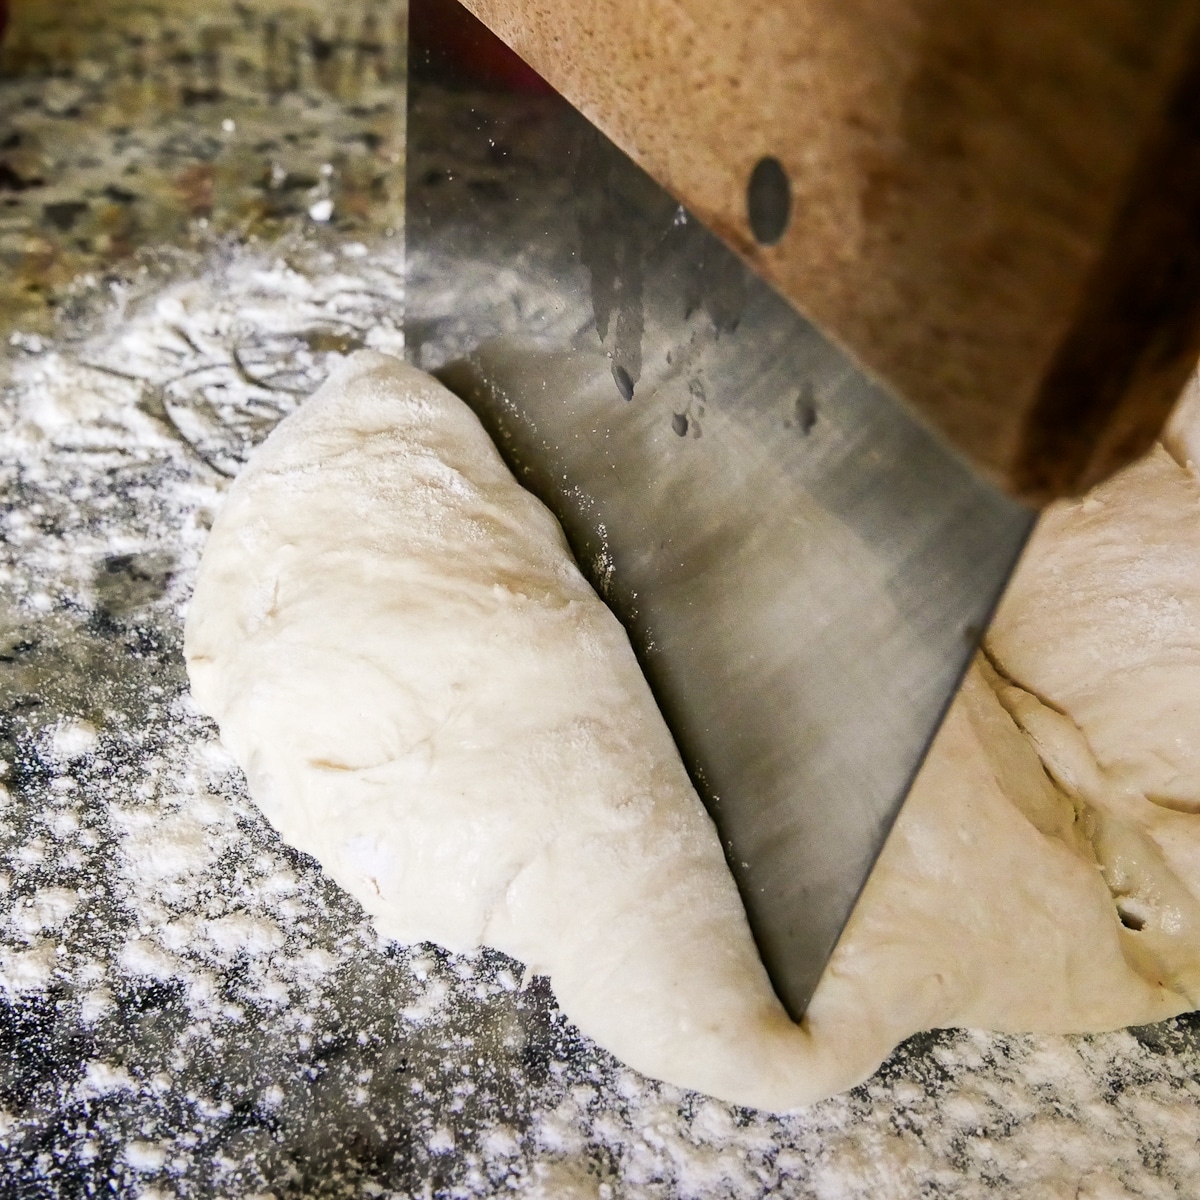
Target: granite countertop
(134,125)
(201,207)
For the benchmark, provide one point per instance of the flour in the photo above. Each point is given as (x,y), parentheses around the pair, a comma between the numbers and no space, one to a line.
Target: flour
(28,970)
(218,1000)
(100,1078)
(72,739)
(46,909)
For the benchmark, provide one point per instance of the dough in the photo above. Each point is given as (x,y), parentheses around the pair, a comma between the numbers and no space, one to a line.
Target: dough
(427,696)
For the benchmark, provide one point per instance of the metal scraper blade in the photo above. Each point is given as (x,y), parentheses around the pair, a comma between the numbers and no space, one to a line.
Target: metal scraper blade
(803,568)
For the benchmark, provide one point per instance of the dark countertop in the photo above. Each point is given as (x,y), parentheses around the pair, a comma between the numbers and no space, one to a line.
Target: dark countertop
(134,125)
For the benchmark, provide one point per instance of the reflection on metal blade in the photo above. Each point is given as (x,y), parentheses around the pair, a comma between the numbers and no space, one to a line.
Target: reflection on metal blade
(803,569)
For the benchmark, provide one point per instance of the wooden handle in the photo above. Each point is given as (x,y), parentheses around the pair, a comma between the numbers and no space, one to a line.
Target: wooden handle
(994,206)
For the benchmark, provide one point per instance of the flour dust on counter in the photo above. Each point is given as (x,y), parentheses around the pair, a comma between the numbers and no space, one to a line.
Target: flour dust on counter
(191,1008)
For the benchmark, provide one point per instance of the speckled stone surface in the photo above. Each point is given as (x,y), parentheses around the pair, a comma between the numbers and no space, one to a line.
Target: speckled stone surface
(189,1008)
(128,125)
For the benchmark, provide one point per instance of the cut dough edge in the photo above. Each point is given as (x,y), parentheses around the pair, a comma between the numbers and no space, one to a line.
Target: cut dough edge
(427,697)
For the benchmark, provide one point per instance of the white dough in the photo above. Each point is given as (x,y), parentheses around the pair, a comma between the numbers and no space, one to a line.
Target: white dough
(427,696)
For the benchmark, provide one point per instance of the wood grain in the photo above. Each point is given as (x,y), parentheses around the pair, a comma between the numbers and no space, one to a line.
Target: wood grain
(995,207)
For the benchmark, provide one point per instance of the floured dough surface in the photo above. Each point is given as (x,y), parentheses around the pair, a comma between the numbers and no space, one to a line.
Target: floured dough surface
(427,696)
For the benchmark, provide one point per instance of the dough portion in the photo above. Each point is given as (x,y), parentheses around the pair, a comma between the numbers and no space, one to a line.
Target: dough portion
(427,696)
(1101,621)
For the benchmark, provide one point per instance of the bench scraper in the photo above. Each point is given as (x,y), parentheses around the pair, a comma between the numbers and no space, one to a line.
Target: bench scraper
(804,564)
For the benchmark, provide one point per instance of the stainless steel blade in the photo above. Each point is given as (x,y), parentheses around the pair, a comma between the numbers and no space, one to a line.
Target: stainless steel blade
(803,569)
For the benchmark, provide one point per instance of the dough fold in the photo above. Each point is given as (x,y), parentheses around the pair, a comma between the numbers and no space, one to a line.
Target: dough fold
(427,696)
